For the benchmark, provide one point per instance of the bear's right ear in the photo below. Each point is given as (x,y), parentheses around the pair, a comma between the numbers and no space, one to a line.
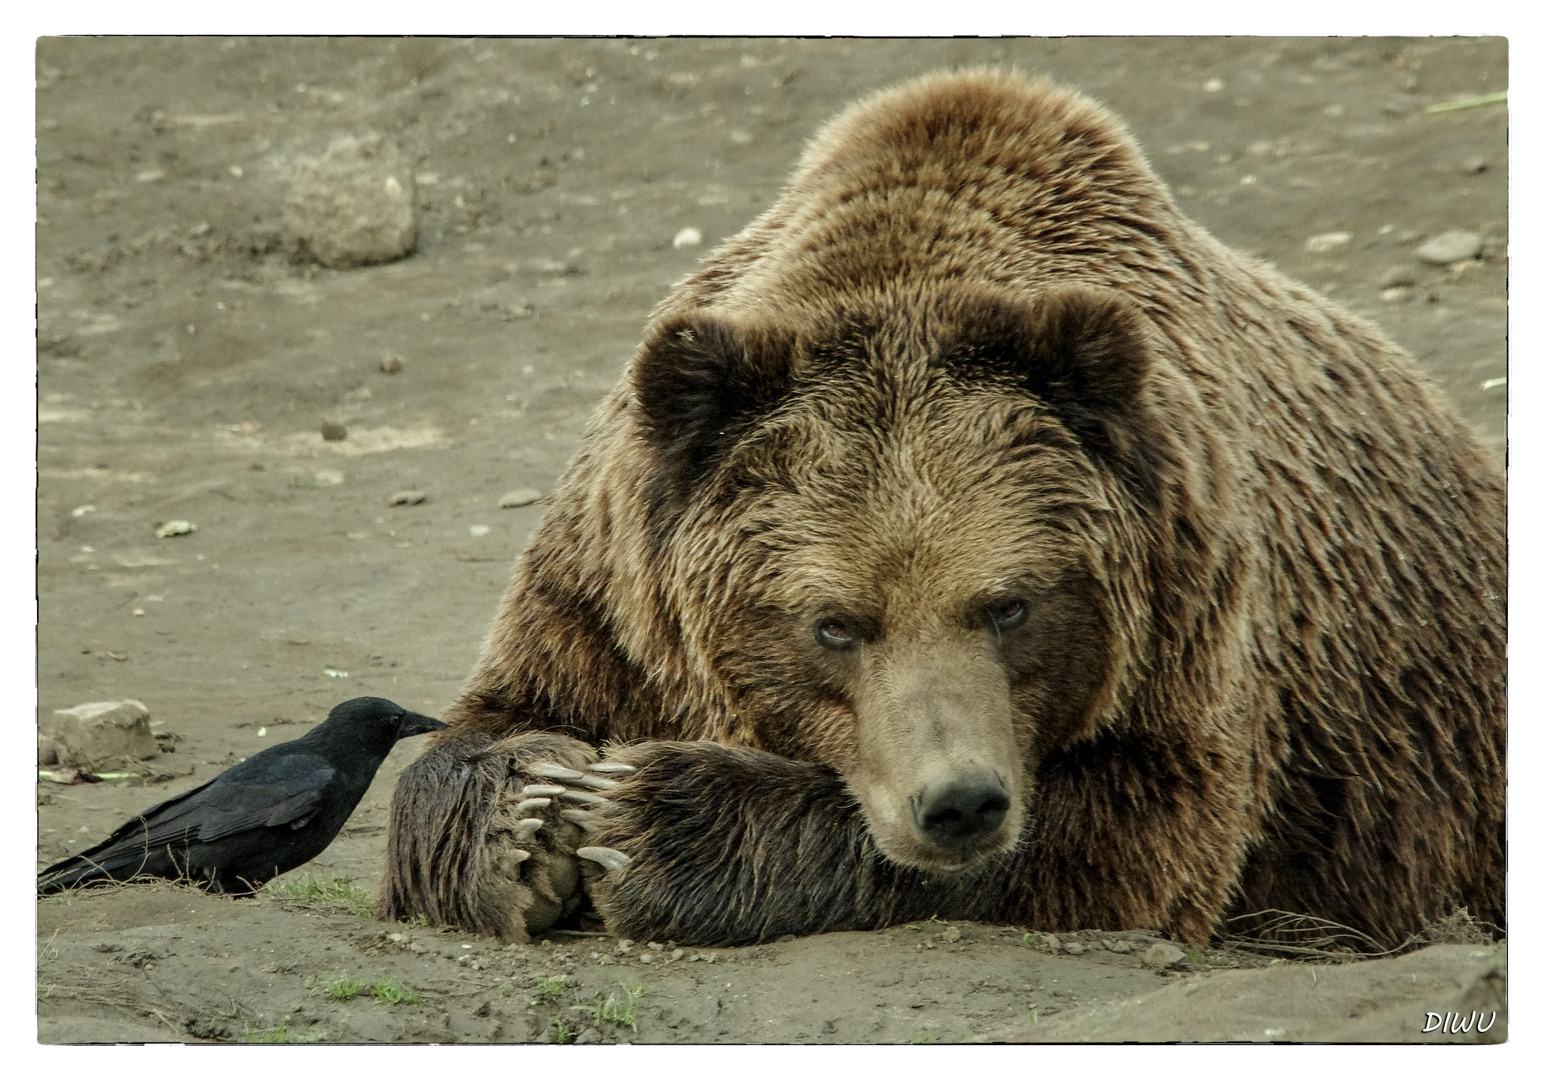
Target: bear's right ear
(700,382)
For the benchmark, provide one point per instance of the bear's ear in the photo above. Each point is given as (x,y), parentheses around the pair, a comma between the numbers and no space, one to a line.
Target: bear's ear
(699,382)
(1081,350)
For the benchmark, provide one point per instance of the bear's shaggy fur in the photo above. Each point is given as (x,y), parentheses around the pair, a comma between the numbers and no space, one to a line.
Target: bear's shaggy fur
(975,535)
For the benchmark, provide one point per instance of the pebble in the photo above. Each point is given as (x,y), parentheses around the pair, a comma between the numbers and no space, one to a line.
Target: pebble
(1450,247)
(1474,165)
(1073,948)
(391,364)
(1118,945)
(687,237)
(519,497)
(334,431)
(1163,955)
(1049,943)
(355,206)
(587,1037)
(1399,275)
(1325,242)
(175,528)
(1396,295)
(407,498)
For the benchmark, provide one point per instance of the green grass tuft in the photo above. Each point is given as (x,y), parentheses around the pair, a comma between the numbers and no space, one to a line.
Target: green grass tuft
(393,992)
(346,989)
(612,1009)
(337,893)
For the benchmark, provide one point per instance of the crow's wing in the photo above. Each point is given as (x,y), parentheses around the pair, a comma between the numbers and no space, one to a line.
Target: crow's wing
(285,789)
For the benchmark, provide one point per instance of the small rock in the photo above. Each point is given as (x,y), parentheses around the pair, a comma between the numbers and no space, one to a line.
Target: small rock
(480,530)
(334,431)
(1074,948)
(1397,295)
(1162,955)
(587,1037)
(356,206)
(48,750)
(391,364)
(646,958)
(407,498)
(175,528)
(687,237)
(1118,945)
(520,497)
(1450,247)
(1474,165)
(1399,275)
(1326,242)
(102,731)
(1049,943)
(676,954)
(950,936)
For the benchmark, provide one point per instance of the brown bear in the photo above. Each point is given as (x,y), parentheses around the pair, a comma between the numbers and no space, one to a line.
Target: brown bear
(976,536)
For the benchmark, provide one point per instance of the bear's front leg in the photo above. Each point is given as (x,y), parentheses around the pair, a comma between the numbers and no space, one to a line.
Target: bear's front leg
(716,845)
(483,832)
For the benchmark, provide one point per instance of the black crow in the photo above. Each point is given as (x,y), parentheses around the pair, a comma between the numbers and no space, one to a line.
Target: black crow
(274,811)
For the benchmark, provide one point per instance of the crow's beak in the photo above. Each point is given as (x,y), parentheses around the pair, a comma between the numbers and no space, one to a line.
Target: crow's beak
(416,724)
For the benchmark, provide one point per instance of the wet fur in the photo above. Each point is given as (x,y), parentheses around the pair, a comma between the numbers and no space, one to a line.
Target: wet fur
(1271,561)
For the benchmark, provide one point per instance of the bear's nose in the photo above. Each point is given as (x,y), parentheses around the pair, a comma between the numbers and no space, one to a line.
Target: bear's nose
(961,811)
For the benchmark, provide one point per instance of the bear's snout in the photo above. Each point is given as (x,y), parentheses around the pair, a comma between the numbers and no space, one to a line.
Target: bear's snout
(959,813)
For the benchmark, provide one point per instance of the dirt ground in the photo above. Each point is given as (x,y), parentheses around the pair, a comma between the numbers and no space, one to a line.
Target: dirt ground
(186,364)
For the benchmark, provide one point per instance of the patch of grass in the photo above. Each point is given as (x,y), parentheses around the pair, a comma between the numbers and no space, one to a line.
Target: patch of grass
(393,992)
(415,922)
(337,893)
(346,989)
(560,1032)
(924,1038)
(551,987)
(621,1011)
(279,1034)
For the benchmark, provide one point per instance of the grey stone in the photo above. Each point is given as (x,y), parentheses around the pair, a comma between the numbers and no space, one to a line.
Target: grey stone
(1163,955)
(355,206)
(1450,247)
(102,731)
(1399,275)
(520,497)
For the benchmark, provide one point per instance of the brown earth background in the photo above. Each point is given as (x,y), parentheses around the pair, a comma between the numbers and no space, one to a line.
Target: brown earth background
(186,364)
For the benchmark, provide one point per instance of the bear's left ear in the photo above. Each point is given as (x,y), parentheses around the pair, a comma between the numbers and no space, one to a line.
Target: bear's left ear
(700,382)
(1081,350)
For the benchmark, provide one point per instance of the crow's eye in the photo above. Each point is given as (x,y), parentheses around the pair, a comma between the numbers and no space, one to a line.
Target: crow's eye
(1007,614)
(835,635)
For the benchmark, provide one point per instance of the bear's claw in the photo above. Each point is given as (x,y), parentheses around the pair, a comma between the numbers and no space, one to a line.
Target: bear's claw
(582,818)
(551,771)
(526,806)
(526,828)
(614,768)
(610,858)
(540,790)
(584,798)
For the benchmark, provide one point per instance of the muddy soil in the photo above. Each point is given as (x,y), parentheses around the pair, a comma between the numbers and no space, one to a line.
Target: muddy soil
(187,363)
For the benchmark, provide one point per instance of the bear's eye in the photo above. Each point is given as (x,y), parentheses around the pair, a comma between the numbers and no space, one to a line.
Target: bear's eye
(1007,614)
(835,634)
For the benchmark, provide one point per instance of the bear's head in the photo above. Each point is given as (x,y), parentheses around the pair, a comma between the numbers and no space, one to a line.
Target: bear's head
(895,539)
